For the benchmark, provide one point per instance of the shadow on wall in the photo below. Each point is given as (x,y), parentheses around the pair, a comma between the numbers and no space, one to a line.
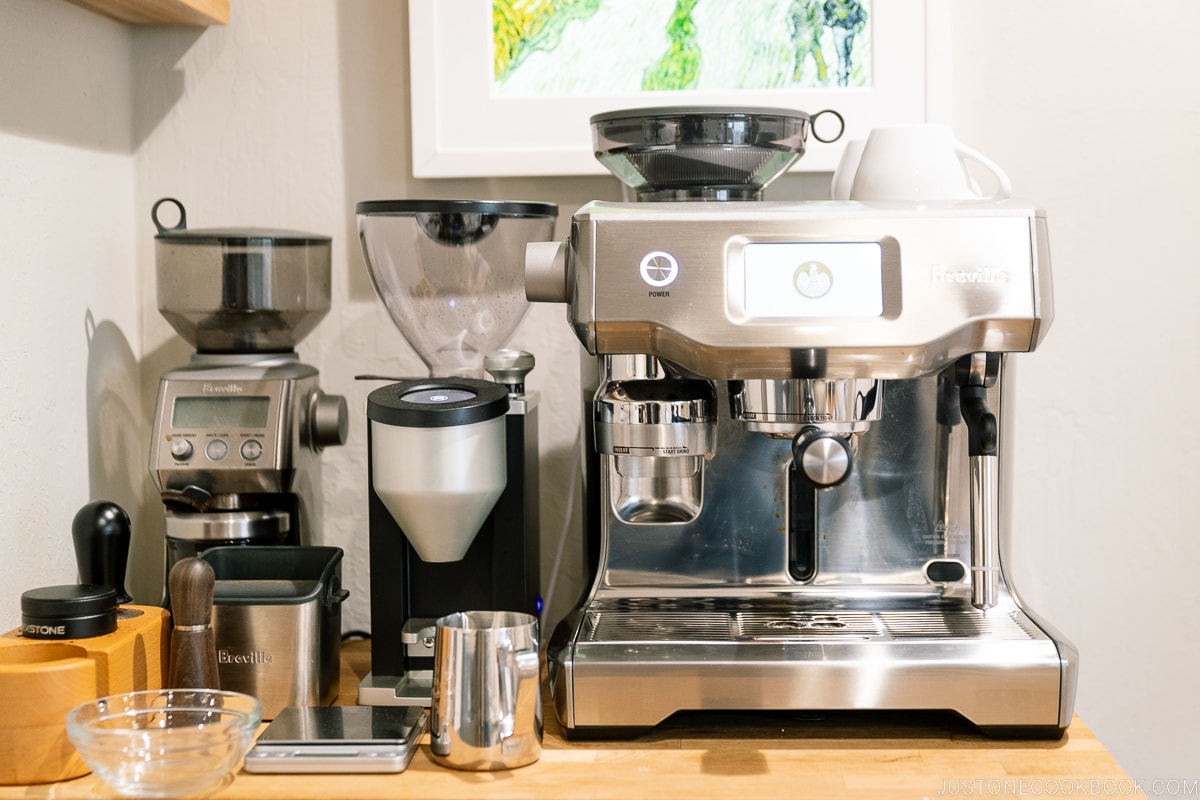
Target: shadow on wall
(157,51)
(86,100)
(118,447)
(150,537)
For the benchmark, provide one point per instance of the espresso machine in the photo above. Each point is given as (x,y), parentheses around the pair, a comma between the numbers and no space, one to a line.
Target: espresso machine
(238,430)
(798,440)
(453,497)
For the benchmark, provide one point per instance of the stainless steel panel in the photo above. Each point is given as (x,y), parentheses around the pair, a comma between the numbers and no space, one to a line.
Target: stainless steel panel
(704,612)
(956,280)
(273,652)
(284,449)
(994,668)
(786,406)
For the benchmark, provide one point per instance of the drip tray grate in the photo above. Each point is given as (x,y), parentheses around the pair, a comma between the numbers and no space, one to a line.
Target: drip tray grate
(957,625)
(658,626)
(650,626)
(809,625)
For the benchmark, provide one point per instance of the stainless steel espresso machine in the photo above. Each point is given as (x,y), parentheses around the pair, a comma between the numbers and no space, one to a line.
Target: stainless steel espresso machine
(453,458)
(238,430)
(798,440)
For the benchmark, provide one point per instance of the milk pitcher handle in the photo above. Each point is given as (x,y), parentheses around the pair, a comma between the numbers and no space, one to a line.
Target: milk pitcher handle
(519,687)
(1003,184)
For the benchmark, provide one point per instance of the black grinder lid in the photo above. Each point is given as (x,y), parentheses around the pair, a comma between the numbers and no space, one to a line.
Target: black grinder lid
(437,402)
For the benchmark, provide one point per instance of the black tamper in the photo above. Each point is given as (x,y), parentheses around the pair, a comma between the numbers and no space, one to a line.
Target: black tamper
(101,532)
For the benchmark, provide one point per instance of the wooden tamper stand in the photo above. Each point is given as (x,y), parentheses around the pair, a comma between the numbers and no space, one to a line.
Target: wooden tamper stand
(68,652)
(193,663)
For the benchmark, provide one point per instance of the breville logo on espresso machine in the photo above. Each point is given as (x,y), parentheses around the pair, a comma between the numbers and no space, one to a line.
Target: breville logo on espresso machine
(987,274)
(255,657)
(222,388)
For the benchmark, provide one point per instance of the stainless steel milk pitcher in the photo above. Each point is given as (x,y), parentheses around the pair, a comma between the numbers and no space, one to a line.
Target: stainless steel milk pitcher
(487,707)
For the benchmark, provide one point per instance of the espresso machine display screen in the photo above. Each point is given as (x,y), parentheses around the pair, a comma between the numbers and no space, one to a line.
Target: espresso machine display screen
(208,412)
(814,279)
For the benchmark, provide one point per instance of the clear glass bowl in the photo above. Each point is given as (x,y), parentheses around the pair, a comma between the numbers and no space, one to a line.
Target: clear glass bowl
(165,743)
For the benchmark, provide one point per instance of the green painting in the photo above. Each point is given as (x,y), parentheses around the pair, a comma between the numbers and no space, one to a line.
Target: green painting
(546,48)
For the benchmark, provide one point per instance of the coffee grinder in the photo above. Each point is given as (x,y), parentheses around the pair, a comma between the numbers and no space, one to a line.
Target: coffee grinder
(239,428)
(453,499)
(799,443)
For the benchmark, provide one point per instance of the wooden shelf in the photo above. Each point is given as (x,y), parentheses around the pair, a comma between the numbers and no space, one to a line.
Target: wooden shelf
(161,12)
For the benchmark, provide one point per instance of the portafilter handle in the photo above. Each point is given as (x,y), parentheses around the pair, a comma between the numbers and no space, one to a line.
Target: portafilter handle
(101,533)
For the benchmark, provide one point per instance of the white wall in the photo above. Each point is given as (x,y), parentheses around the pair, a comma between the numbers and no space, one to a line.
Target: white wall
(300,109)
(1103,135)
(69,328)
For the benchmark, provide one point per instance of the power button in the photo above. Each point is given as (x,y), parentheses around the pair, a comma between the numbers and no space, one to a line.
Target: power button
(659,269)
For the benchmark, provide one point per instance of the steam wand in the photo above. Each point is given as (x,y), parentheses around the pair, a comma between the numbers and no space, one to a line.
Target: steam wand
(975,372)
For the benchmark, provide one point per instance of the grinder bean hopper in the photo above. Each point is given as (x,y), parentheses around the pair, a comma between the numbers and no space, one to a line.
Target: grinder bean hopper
(452,457)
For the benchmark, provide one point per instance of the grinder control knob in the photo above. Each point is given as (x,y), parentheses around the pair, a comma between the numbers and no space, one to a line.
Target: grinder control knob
(509,367)
(546,272)
(822,458)
(181,449)
(328,420)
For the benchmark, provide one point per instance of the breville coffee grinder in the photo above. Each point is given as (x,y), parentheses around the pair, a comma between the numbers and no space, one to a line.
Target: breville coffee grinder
(453,458)
(238,429)
(799,446)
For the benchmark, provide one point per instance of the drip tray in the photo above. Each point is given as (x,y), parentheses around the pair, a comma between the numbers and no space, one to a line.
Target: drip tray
(647,625)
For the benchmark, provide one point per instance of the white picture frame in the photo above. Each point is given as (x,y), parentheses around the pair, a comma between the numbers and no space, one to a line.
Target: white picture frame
(460,130)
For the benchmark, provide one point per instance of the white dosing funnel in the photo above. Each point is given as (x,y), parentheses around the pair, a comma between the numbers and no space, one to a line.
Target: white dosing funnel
(438,459)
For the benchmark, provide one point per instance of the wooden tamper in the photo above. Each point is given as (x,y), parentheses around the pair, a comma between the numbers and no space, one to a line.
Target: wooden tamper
(193,662)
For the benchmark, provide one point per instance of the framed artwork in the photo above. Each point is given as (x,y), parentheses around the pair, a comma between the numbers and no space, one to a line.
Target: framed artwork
(506,87)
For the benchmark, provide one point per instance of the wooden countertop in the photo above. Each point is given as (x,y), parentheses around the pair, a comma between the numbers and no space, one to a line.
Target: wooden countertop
(738,757)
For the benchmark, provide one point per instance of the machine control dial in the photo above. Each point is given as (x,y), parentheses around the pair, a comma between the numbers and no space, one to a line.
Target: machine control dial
(822,457)
(181,449)
(251,449)
(216,449)
(328,420)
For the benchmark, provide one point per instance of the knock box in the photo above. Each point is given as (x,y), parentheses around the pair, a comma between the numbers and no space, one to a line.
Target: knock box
(277,623)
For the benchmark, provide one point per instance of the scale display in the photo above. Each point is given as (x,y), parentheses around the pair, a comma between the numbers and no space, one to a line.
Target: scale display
(808,280)
(220,412)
